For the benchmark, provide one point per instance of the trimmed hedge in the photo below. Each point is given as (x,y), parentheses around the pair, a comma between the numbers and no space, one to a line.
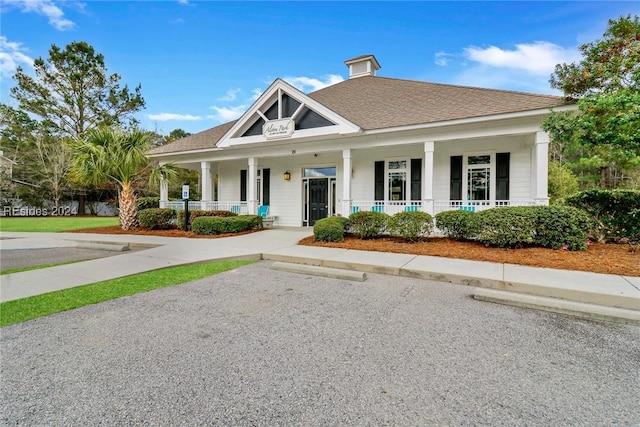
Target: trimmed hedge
(507,227)
(557,226)
(196,213)
(411,226)
(616,213)
(330,229)
(459,225)
(367,225)
(147,203)
(157,218)
(219,225)
(255,221)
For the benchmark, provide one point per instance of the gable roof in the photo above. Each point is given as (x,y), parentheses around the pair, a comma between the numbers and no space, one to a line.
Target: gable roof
(381,102)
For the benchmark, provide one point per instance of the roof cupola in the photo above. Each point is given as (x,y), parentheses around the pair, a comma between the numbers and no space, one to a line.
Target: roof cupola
(364,65)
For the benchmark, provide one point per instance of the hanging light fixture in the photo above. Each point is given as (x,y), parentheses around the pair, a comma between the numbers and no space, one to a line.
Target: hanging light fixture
(287,176)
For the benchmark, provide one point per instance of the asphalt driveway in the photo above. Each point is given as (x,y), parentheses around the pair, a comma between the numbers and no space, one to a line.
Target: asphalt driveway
(259,347)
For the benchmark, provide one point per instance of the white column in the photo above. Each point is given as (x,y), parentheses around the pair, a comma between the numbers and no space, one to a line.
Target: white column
(252,197)
(541,169)
(427,195)
(346,182)
(207,183)
(164,192)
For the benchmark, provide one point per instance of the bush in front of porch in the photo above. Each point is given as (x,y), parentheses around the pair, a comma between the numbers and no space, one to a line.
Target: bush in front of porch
(196,213)
(330,229)
(368,225)
(157,218)
(220,225)
(411,226)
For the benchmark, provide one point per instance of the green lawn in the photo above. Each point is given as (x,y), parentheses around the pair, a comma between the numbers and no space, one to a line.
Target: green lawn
(55,224)
(21,310)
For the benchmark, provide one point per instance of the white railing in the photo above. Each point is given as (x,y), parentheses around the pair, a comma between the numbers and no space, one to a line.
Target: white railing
(476,205)
(240,208)
(388,207)
(393,207)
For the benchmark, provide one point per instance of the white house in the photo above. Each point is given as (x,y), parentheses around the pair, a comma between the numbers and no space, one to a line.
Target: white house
(372,143)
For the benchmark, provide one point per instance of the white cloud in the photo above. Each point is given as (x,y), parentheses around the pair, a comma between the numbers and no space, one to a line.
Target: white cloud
(442,58)
(44,7)
(177,21)
(537,58)
(183,1)
(309,84)
(231,95)
(11,56)
(165,117)
(256,92)
(225,114)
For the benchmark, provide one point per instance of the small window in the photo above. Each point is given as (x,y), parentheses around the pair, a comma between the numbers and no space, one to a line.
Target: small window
(479,160)
(400,164)
(319,172)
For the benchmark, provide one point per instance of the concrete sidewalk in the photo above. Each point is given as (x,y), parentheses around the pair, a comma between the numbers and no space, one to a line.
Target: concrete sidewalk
(620,294)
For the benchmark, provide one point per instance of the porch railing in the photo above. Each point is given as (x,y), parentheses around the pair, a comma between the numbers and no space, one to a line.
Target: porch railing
(240,208)
(393,207)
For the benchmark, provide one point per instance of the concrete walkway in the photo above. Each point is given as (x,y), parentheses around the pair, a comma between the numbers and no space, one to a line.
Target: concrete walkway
(600,296)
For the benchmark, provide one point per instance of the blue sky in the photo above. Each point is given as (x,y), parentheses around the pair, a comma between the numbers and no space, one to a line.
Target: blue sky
(202,63)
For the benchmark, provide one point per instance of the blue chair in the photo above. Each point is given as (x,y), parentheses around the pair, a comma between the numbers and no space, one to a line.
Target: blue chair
(355,209)
(412,208)
(263,211)
(235,209)
(377,208)
(468,208)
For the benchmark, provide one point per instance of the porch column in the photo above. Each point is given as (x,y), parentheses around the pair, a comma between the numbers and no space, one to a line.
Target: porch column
(427,196)
(205,177)
(252,196)
(164,192)
(541,169)
(346,182)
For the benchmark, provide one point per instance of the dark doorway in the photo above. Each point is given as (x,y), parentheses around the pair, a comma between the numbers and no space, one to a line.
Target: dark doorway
(318,199)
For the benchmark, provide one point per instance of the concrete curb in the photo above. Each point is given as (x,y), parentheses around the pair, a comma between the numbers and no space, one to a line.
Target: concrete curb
(333,273)
(115,247)
(556,305)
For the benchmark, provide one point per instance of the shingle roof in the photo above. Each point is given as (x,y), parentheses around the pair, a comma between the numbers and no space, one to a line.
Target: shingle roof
(197,141)
(382,102)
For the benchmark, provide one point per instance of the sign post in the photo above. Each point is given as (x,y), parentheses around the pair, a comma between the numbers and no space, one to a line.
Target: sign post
(185,197)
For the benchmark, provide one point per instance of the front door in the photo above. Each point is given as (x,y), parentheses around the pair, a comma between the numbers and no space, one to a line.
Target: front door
(318,199)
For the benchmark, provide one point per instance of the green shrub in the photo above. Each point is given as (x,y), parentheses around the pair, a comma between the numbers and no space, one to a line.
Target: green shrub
(410,225)
(198,213)
(157,218)
(255,221)
(557,226)
(507,227)
(147,203)
(219,225)
(616,213)
(459,225)
(330,229)
(367,225)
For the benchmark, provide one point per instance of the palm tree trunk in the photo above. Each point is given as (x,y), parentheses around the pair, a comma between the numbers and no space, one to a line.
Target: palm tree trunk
(128,210)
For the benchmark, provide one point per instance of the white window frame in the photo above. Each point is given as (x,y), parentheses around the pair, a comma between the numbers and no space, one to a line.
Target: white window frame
(407,171)
(492,175)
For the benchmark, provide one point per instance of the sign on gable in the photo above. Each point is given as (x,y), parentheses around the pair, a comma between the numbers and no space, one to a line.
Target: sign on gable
(282,128)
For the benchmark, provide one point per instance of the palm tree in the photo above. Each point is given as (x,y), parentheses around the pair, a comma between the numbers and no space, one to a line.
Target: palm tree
(107,155)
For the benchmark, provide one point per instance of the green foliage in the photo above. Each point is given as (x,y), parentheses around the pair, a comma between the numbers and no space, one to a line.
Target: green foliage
(255,221)
(616,214)
(562,182)
(193,214)
(411,226)
(21,310)
(459,225)
(561,227)
(367,225)
(73,92)
(219,225)
(330,229)
(147,203)
(507,227)
(157,218)
(601,141)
